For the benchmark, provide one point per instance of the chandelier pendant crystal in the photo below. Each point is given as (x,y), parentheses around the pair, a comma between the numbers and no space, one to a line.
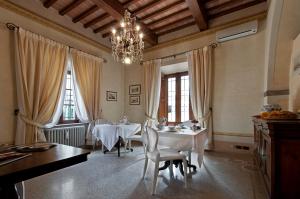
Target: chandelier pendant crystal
(127,44)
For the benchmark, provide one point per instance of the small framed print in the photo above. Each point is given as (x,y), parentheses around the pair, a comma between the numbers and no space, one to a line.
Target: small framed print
(134,100)
(135,89)
(111,96)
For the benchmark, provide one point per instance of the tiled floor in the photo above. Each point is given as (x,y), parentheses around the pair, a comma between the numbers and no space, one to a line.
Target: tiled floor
(223,176)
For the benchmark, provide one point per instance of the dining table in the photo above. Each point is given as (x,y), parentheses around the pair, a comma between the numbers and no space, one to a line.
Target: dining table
(110,134)
(184,140)
(37,164)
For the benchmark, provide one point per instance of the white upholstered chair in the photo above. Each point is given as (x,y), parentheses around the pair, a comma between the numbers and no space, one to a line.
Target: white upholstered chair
(156,155)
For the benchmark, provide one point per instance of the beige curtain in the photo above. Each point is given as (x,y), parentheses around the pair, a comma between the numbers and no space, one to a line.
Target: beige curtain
(200,72)
(152,82)
(87,73)
(40,71)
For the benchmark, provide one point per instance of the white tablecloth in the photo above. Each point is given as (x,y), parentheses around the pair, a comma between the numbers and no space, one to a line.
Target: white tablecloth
(126,130)
(185,140)
(109,133)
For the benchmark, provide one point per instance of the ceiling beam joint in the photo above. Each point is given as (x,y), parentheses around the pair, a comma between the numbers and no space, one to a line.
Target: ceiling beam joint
(116,10)
(198,11)
(49,3)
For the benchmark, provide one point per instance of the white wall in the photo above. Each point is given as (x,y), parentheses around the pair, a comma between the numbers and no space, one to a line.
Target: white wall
(238,83)
(134,74)
(113,78)
(7,88)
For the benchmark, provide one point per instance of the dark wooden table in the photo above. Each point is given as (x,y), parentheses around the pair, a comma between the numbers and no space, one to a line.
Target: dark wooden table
(39,163)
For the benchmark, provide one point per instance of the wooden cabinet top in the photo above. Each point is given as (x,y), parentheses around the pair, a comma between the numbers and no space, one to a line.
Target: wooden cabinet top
(272,121)
(279,128)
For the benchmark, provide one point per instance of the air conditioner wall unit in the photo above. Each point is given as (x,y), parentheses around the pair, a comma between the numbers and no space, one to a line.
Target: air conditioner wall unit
(235,32)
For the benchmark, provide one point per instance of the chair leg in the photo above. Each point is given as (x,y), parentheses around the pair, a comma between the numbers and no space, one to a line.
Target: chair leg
(125,145)
(94,145)
(156,169)
(145,167)
(130,147)
(171,168)
(190,159)
(185,172)
(190,156)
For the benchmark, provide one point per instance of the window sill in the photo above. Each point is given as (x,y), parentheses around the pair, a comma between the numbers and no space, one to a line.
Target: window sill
(71,124)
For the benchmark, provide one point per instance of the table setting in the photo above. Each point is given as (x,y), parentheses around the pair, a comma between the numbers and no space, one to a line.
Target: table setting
(110,134)
(183,138)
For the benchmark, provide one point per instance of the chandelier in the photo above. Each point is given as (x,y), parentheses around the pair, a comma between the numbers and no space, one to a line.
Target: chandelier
(127,43)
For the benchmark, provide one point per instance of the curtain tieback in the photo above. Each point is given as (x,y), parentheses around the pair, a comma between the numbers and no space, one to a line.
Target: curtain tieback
(38,134)
(149,117)
(29,121)
(205,117)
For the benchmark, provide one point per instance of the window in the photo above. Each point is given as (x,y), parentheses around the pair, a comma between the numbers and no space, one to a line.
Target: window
(175,98)
(172,99)
(69,115)
(185,98)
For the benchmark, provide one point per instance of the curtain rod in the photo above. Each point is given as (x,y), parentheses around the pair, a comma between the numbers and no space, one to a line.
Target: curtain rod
(213,45)
(12,26)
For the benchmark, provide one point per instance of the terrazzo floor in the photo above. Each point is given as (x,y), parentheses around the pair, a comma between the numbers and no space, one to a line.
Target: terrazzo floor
(105,176)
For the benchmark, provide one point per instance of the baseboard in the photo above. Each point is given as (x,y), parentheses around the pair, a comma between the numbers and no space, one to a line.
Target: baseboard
(234,147)
(234,134)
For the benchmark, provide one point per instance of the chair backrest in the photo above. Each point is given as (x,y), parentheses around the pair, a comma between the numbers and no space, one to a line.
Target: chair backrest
(152,139)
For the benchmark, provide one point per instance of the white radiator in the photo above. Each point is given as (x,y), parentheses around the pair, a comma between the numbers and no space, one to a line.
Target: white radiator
(72,135)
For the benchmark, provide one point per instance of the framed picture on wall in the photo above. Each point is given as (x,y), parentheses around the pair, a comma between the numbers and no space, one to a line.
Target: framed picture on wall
(135,89)
(134,100)
(111,96)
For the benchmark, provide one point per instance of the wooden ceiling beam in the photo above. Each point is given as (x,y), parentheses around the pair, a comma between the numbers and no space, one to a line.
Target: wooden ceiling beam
(105,26)
(147,7)
(49,3)
(164,9)
(71,6)
(208,1)
(237,8)
(129,3)
(223,5)
(96,20)
(172,23)
(198,11)
(112,7)
(86,13)
(177,28)
(168,17)
(116,10)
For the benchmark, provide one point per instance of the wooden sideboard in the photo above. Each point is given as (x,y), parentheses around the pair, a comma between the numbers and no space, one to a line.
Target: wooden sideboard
(277,153)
